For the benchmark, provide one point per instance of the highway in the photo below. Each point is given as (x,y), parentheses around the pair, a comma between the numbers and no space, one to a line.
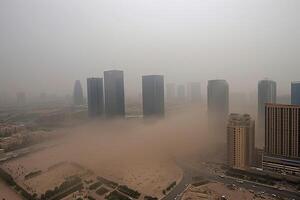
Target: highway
(190,172)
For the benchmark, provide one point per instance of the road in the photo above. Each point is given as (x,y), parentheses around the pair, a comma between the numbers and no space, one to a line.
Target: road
(190,172)
(26,150)
(6,192)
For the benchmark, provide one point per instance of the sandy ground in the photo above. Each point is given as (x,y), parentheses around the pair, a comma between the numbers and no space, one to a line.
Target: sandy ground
(122,157)
(7,193)
(138,153)
(213,191)
(52,178)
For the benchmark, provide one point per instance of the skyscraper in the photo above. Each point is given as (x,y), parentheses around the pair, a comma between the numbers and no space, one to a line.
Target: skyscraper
(240,141)
(218,107)
(153,95)
(114,93)
(282,139)
(181,93)
(195,92)
(21,98)
(95,96)
(266,94)
(78,94)
(170,92)
(295,93)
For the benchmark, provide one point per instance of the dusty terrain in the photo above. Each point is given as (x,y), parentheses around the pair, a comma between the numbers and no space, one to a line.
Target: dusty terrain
(214,191)
(134,152)
(7,193)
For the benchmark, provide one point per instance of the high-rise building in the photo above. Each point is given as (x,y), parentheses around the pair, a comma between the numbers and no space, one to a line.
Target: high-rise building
(95,96)
(181,93)
(266,94)
(295,93)
(218,107)
(170,92)
(282,139)
(240,141)
(78,94)
(153,95)
(114,93)
(195,92)
(21,98)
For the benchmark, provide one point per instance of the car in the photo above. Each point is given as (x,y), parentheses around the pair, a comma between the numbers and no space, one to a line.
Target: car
(223,197)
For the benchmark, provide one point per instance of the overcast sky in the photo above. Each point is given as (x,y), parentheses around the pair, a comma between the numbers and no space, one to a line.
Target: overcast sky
(45,45)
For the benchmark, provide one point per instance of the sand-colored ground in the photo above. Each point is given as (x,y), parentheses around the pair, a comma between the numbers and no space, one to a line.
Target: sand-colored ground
(52,178)
(122,156)
(7,193)
(135,152)
(213,191)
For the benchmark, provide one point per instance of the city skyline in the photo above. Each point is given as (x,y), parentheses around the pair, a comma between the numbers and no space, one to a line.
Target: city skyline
(149,100)
(216,41)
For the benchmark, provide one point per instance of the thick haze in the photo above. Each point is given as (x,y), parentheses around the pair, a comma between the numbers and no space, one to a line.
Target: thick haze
(46,44)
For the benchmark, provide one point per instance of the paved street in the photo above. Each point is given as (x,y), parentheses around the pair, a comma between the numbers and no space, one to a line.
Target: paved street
(190,172)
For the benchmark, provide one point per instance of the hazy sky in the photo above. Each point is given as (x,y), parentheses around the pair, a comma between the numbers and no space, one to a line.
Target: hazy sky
(46,44)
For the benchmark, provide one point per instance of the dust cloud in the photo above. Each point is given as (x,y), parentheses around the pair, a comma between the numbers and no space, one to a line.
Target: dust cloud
(141,153)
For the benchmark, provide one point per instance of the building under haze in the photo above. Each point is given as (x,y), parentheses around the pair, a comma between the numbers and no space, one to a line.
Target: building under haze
(266,94)
(295,93)
(240,141)
(181,93)
(195,92)
(153,95)
(95,97)
(114,93)
(170,92)
(218,107)
(78,94)
(21,98)
(282,139)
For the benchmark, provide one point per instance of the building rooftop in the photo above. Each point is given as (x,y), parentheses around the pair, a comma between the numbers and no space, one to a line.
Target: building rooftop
(236,119)
(282,105)
(295,82)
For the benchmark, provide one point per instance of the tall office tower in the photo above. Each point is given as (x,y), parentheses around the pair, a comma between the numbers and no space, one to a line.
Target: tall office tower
(266,94)
(153,95)
(295,93)
(21,98)
(195,92)
(114,93)
(218,107)
(95,97)
(170,92)
(181,93)
(78,94)
(240,141)
(282,139)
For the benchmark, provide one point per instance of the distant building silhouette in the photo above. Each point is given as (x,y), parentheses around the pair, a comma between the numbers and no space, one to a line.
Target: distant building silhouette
(95,96)
(282,139)
(21,98)
(153,95)
(218,107)
(283,99)
(266,94)
(78,94)
(240,141)
(170,92)
(181,93)
(295,93)
(195,92)
(114,93)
